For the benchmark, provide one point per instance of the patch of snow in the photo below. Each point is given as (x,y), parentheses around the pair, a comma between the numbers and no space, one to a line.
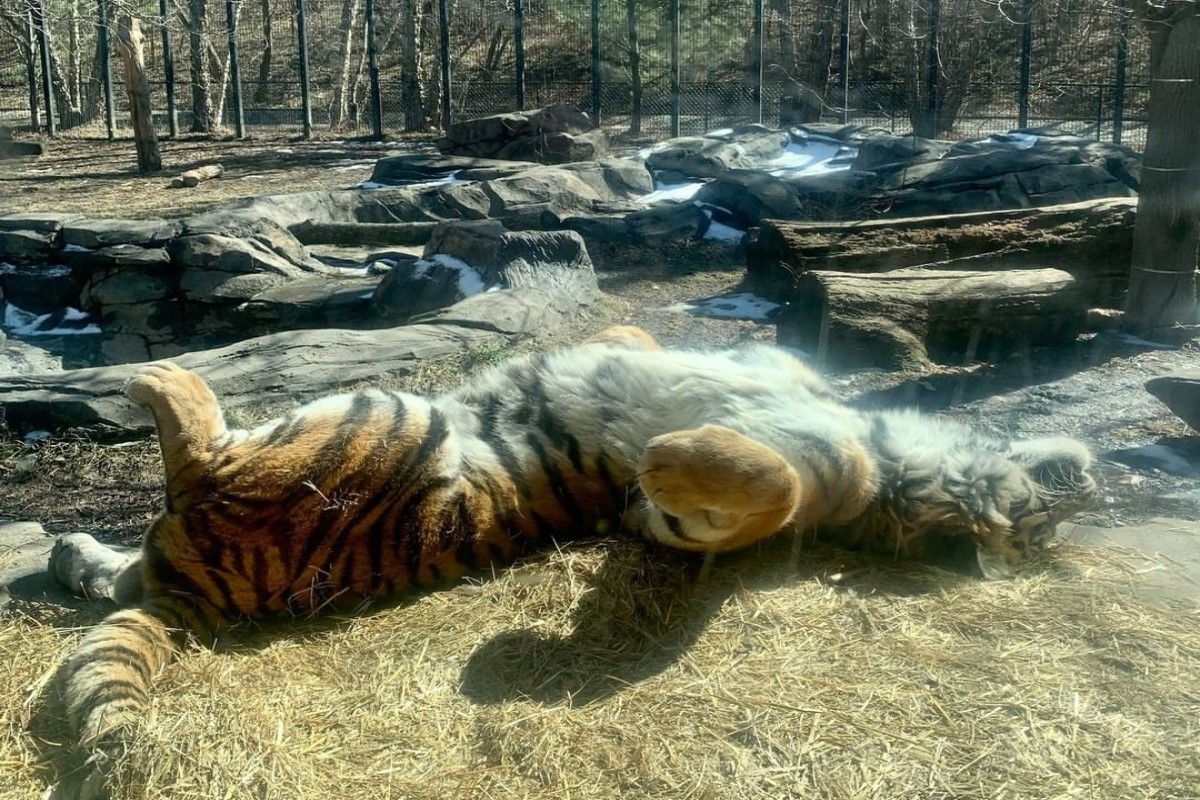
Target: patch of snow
(366,295)
(36,437)
(352,167)
(255,177)
(1137,341)
(370,185)
(720,232)
(812,156)
(742,305)
(448,179)
(1022,141)
(672,191)
(74,248)
(352,272)
(287,151)
(25,323)
(720,132)
(469,280)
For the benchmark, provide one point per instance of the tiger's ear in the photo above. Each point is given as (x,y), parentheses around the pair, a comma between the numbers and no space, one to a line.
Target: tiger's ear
(1059,466)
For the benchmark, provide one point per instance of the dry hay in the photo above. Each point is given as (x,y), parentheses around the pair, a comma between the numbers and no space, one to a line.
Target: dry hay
(608,670)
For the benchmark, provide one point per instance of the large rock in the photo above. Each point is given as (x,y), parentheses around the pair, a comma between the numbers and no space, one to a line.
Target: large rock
(714,155)
(550,279)
(1180,392)
(22,358)
(98,233)
(41,287)
(748,197)
(551,135)
(420,167)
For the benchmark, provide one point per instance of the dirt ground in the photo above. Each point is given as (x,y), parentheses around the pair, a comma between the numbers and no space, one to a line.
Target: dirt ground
(598,673)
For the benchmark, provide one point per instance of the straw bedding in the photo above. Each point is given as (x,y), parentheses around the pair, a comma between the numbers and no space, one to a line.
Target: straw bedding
(613,670)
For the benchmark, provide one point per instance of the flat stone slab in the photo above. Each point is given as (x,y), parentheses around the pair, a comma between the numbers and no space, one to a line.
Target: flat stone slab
(24,553)
(1165,554)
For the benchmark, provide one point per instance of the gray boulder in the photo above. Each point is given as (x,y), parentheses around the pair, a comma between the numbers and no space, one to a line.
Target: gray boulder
(1180,392)
(747,196)
(551,135)
(97,233)
(711,156)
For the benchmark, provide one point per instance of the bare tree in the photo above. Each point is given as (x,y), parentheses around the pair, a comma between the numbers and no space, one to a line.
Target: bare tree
(204,117)
(129,39)
(343,64)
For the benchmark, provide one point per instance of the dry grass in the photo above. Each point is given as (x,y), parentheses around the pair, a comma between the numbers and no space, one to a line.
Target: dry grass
(609,671)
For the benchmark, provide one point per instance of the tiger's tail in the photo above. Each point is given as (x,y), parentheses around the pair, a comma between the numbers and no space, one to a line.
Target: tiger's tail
(106,681)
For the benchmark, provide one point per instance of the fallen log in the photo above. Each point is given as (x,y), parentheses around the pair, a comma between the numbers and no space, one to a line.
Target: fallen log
(1091,240)
(912,318)
(351,234)
(194,177)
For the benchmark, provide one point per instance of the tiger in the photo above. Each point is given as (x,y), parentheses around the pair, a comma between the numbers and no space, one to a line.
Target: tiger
(369,493)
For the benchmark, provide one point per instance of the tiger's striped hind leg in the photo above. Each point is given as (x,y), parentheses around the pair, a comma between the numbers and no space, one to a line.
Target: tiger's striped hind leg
(712,489)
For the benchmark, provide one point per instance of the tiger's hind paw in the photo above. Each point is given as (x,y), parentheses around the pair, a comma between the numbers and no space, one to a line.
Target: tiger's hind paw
(712,488)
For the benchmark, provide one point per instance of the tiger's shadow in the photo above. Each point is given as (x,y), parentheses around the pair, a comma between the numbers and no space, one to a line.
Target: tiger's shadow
(648,607)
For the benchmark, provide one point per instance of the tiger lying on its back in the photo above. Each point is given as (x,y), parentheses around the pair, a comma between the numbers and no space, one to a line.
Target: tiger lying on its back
(363,494)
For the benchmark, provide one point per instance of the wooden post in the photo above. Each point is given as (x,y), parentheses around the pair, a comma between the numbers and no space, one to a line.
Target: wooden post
(235,70)
(444,63)
(519,49)
(373,74)
(105,67)
(596,63)
(168,68)
(676,99)
(39,23)
(302,52)
(31,74)
(129,41)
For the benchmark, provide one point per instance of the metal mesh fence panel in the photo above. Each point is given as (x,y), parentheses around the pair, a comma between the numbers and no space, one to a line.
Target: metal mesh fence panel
(997,62)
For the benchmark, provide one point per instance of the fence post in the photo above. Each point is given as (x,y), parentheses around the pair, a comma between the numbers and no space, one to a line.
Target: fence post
(1025,64)
(673,11)
(302,52)
(105,67)
(31,73)
(931,74)
(373,74)
(235,70)
(444,58)
(756,90)
(1122,67)
(168,67)
(519,50)
(596,62)
(844,59)
(39,21)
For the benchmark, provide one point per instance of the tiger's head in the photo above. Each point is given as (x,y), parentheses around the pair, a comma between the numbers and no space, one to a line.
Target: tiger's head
(1048,481)
(957,496)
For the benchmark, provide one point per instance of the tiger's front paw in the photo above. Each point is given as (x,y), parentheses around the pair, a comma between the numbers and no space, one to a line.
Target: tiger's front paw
(86,567)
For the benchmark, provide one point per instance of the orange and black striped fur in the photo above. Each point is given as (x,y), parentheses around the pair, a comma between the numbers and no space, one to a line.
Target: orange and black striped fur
(365,494)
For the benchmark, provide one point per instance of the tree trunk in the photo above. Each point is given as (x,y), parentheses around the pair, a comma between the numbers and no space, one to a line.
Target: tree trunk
(342,72)
(1092,240)
(910,318)
(129,42)
(1162,283)
(262,92)
(203,116)
(410,68)
(635,66)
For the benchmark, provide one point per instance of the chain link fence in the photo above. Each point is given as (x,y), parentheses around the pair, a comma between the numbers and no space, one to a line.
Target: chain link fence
(647,68)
